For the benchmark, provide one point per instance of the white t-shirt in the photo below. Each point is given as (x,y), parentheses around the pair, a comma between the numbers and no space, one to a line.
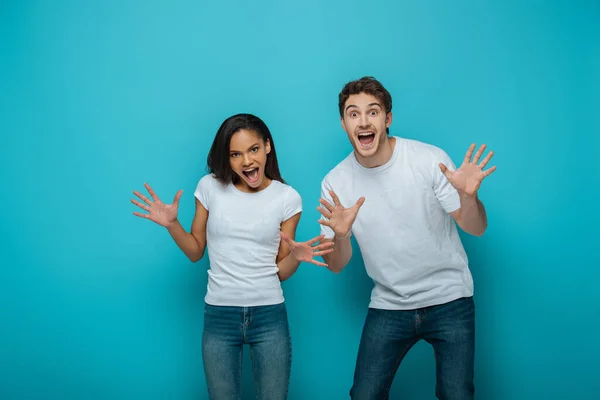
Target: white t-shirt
(409,242)
(242,234)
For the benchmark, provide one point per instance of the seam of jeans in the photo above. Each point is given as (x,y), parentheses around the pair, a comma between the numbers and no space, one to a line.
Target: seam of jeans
(290,363)
(239,374)
(244,326)
(254,374)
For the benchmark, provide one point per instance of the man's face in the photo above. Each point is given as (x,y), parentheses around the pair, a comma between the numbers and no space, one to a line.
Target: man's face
(365,121)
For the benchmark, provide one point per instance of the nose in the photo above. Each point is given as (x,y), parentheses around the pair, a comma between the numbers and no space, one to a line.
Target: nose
(246,160)
(364,120)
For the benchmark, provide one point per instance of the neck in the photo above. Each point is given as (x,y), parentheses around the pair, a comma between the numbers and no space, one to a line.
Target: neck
(383,155)
(242,186)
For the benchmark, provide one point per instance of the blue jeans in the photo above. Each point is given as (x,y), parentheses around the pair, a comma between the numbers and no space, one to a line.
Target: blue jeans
(265,329)
(389,334)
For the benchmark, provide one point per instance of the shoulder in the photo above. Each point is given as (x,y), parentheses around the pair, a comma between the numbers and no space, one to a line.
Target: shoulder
(283,188)
(422,155)
(420,149)
(288,200)
(341,171)
(207,180)
(208,184)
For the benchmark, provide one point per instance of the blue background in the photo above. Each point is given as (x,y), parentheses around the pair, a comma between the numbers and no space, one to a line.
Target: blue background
(98,97)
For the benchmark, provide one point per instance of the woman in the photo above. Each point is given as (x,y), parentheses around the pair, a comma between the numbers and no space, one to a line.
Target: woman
(243,210)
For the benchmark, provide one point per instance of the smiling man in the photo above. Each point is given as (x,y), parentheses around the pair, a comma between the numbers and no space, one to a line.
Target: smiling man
(410,197)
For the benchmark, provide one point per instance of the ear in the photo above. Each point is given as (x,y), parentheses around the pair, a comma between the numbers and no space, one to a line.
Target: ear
(388,119)
(268,146)
(343,123)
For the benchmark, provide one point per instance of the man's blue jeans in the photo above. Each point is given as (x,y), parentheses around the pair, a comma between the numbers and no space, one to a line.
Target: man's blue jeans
(389,334)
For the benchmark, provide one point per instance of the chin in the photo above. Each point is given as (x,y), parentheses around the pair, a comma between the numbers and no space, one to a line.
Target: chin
(368,151)
(256,184)
(251,185)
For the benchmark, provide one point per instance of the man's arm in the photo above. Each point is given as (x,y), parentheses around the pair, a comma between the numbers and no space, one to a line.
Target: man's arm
(341,255)
(471,216)
(339,220)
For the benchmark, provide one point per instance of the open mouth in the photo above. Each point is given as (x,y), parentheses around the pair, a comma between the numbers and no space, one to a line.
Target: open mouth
(366,139)
(251,175)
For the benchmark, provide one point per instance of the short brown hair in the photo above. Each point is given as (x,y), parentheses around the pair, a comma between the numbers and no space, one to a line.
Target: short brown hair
(368,85)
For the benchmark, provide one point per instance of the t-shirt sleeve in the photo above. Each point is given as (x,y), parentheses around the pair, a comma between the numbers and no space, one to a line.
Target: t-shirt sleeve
(202,192)
(444,191)
(293,204)
(325,188)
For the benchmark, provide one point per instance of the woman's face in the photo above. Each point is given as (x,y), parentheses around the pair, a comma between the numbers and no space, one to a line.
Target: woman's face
(248,158)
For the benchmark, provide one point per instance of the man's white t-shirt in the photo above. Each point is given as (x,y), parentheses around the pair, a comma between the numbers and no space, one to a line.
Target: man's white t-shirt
(408,240)
(242,234)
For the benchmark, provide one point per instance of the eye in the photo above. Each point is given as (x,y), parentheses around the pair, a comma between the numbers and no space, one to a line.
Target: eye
(254,149)
(353,114)
(234,155)
(373,113)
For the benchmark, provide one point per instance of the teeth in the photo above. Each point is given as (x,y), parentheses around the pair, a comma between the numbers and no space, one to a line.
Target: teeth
(366,133)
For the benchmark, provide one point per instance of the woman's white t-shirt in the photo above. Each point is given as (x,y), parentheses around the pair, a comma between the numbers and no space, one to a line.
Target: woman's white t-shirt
(242,234)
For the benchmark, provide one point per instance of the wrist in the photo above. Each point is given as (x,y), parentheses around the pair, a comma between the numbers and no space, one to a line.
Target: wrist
(342,237)
(171,224)
(467,197)
(291,256)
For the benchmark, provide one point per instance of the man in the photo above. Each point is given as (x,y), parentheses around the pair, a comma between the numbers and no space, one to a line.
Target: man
(409,194)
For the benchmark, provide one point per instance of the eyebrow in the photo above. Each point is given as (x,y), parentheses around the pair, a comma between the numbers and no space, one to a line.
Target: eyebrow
(369,105)
(251,147)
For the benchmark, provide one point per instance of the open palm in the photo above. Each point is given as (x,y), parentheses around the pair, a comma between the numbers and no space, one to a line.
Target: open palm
(307,251)
(159,212)
(467,179)
(339,218)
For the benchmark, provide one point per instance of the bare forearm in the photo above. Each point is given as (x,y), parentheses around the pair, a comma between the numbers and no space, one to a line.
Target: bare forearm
(287,267)
(340,257)
(186,241)
(473,218)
